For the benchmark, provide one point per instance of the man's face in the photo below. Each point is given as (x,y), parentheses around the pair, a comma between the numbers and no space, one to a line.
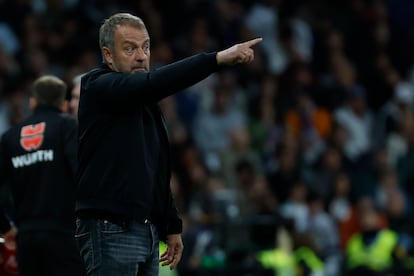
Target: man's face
(131,53)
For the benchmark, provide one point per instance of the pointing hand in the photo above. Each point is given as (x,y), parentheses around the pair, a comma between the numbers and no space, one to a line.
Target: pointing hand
(239,53)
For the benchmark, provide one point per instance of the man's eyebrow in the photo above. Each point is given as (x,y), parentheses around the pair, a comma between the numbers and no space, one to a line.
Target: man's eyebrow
(127,41)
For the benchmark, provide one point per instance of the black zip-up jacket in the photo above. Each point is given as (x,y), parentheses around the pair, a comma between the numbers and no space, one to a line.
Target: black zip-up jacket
(38,157)
(124,154)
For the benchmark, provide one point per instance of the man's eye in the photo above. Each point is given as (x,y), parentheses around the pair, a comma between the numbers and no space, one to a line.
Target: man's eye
(129,50)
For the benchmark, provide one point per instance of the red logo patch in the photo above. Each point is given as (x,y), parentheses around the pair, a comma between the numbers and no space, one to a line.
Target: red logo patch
(31,136)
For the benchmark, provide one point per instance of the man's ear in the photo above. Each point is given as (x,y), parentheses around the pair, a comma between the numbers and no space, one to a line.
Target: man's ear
(32,103)
(107,56)
(64,106)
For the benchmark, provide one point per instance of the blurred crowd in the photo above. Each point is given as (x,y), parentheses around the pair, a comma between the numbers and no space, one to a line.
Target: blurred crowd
(305,147)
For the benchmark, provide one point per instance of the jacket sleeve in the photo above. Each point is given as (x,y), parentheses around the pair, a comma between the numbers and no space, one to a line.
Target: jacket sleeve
(121,90)
(175,225)
(170,222)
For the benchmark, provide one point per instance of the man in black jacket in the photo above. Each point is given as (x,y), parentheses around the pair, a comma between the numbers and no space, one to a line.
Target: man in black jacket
(124,203)
(38,159)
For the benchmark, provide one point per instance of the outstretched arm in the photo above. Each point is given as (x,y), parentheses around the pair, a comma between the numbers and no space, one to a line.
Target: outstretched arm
(115,89)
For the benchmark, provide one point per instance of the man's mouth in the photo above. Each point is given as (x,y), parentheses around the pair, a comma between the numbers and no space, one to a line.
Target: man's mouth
(139,69)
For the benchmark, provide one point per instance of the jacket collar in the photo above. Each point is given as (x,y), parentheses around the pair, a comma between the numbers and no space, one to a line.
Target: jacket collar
(104,66)
(46,107)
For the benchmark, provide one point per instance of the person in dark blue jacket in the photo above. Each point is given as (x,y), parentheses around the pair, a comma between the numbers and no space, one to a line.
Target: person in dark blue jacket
(124,202)
(38,159)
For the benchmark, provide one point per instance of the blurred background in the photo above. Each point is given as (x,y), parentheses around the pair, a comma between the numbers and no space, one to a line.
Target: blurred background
(290,165)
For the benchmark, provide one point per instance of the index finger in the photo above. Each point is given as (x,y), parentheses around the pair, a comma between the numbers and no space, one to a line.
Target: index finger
(253,42)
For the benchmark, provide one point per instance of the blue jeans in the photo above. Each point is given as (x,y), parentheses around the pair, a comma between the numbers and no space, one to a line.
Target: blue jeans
(115,249)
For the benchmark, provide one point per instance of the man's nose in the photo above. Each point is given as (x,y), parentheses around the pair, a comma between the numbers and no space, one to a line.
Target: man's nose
(140,54)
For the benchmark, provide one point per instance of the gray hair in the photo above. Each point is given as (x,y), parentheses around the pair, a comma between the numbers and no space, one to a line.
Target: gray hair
(108,28)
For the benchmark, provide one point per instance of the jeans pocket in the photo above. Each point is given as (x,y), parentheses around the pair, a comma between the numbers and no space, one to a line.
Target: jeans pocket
(82,229)
(109,227)
(88,243)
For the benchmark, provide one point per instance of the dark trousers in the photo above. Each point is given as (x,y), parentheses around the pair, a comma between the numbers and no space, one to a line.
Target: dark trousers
(118,249)
(41,253)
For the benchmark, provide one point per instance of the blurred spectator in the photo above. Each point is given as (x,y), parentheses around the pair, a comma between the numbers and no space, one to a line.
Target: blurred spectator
(263,19)
(391,114)
(212,127)
(265,129)
(340,74)
(351,225)
(239,149)
(264,203)
(392,198)
(196,39)
(405,167)
(295,33)
(357,119)
(397,141)
(401,23)
(8,39)
(255,195)
(387,186)
(18,103)
(322,227)
(375,250)
(297,80)
(227,15)
(321,176)
(286,174)
(307,117)
(366,174)
(340,205)
(74,96)
(310,124)
(296,207)
(189,167)
(396,209)
(226,80)
(341,208)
